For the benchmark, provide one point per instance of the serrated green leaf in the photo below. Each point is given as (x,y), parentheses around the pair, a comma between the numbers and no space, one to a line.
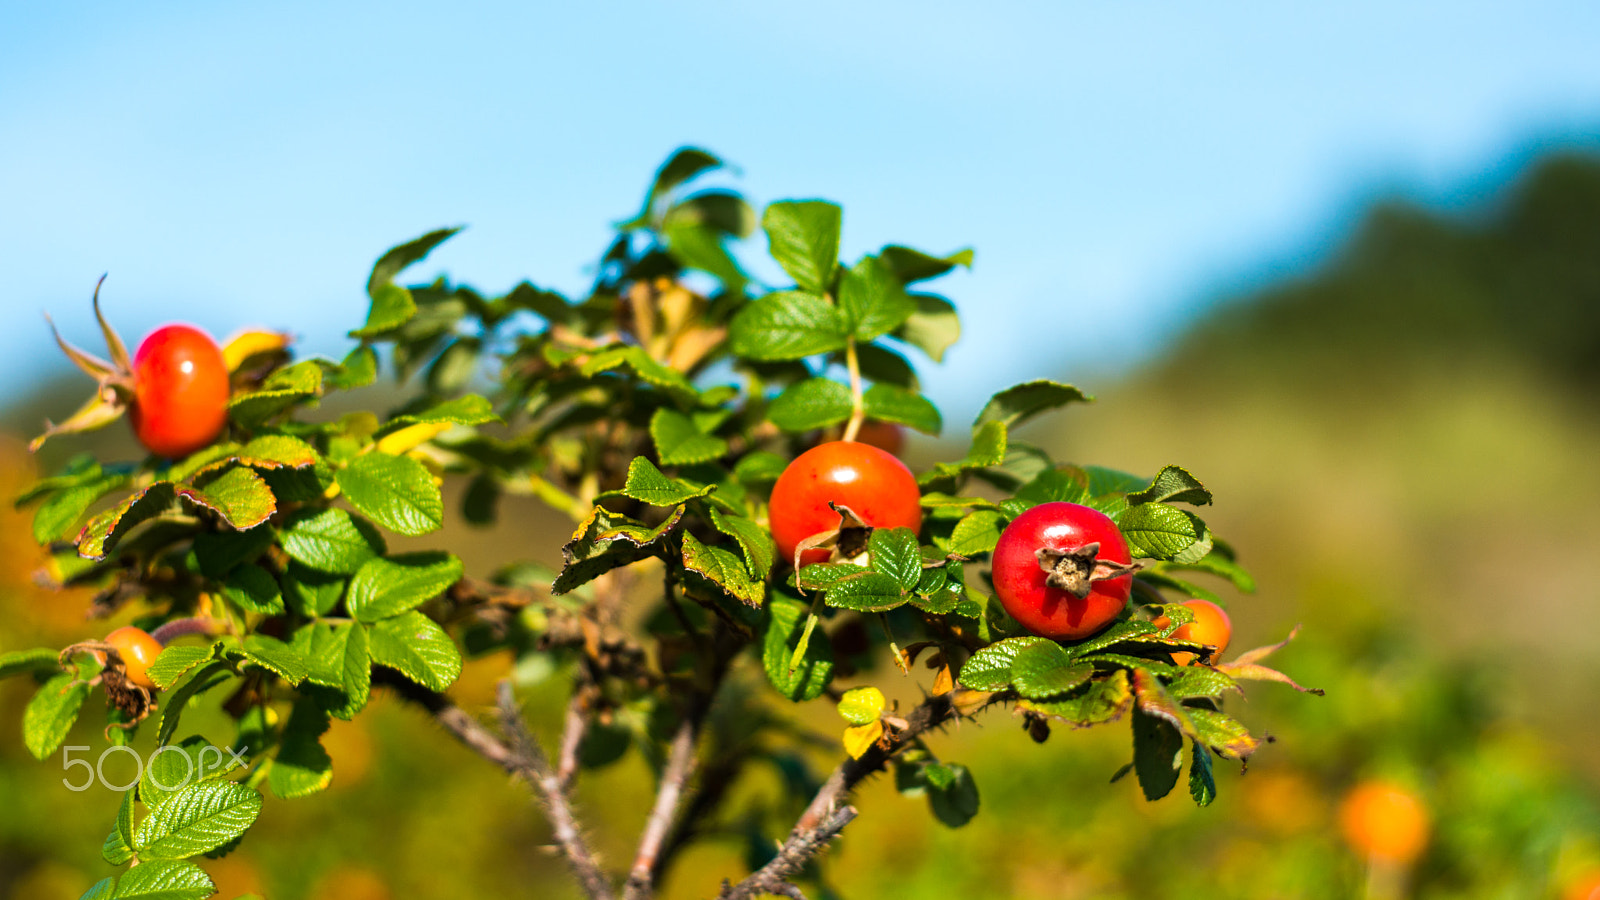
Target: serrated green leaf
(396,259)
(759,549)
(164,879)
(173,767)
(933,327)
(1016,405)
(1201,681)
(608,540)
(238,495)
(866,592)
(862,705)
(1157,531)
(1216,563)
(174,662)
(1100,701)
(810,404)
(977,533)
(197,819)
(821,576)
(172,706)
(887,403)
(895,553)
(1067,484)
(284,389)
(104,889)
(723,569)
(787,325)
(216,554)
(275,656)
(1173,484)
(803,236)
(1044,671)
(785,623)
(105,530)
(250,588)
(647,485)
(51,712)
(679,441)
(397,492)
(117,848)
(302,767)
(276,451)
(989,669)
(386,587)
(872,300)
(340,665)
(358,369)
(988,449)
(416,647)
(17,662)
(1222,733)
(759,469)
(333,541)
(648,370)
(1202,785)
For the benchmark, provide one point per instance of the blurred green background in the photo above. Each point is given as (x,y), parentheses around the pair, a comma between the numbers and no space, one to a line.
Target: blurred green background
(1403,441)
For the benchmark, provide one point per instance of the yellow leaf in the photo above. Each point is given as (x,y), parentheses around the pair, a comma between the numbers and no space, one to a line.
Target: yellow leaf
(409,438)
(860,738)
(246,344)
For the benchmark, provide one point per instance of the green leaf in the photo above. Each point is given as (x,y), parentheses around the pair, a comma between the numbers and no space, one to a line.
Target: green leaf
(311,593)
(1202,785)
(397,492)
(1221,732)
(197,819)
(217,553)
(164,879)
(1220,564)
(172,706)
(957,803)
(718,211)
(787,325)
(866,592)
(648,370)
(862,705)
(785,623)
(933,327)
(340,663)
(416,647)
(276,451)
(803,236)
(117,848)
(284,389)
(105,530)
(1157,531)
(56,518)
(977,533)
(1099,701)
(1157,754)
(250,588)
(52,711)
(759,549)
(1173,485)
(17,662)
(988,449)
(813,403)
(275,656)
(469,409)
(358,369)
(1044,671)
(990,668)
(333,541)
(302,767)
(697,246)
(105,888)
(174,662)
(238,495)
(872,300)
(821,576)
(679,441)
(911,266)
(684,164)
(1015,405)
(888,403)
(397,259)
(608,540)
(388,587)
(1053,485)
(895,553)
(173,767)
(647,485)
(759,468)
(723,569)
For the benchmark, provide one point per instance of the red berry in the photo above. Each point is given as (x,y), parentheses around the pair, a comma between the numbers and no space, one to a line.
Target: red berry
(180,387)
(1030,593)
(138,650)
(876,486)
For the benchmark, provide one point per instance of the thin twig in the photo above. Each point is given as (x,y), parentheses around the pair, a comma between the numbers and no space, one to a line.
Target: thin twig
(572,737)
(529,762)
(773,878)
(858,408)
(674,775)
(455,720)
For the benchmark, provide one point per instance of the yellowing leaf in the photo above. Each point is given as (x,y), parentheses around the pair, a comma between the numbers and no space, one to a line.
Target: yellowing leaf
(859,739)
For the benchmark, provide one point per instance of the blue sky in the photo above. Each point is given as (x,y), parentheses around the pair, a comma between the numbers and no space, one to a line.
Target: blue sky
(1114,165)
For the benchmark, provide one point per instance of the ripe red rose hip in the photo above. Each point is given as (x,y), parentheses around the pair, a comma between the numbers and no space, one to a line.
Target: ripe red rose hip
(1062,570)
(180,391)
(872,483)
